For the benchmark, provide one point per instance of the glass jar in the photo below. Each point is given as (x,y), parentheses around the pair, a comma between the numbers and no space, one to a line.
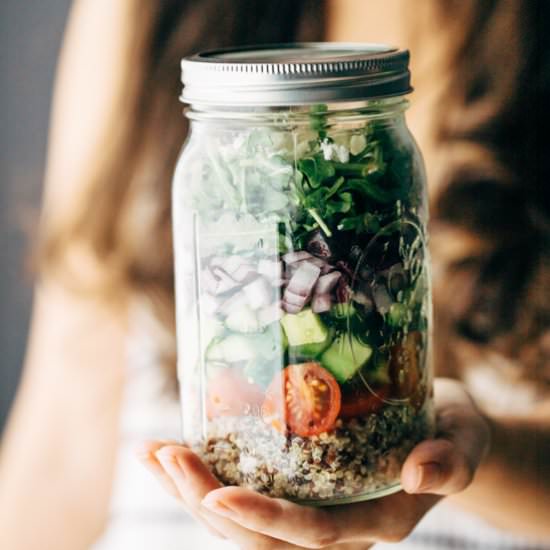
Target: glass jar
(302,276)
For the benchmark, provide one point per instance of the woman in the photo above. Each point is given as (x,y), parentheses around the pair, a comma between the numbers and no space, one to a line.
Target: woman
(115,137)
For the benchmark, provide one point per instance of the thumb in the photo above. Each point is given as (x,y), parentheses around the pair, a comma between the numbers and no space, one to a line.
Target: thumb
(447,464)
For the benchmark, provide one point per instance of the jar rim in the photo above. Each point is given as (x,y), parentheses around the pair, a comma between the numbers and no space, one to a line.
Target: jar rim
(295,74)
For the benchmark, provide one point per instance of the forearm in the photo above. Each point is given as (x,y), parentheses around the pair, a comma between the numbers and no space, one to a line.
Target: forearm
(512,487)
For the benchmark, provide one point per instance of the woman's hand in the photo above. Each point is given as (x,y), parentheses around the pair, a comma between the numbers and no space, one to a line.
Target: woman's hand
(434,468)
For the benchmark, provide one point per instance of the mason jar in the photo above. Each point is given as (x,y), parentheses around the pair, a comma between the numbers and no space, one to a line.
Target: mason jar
(302,272)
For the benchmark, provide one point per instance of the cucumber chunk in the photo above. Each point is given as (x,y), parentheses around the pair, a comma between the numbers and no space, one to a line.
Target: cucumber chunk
(310,351)
(304,328)
(345,357)
(232,349)
(236,348)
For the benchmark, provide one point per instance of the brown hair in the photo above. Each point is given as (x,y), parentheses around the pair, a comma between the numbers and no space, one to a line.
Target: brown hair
(492,189)
(493,291)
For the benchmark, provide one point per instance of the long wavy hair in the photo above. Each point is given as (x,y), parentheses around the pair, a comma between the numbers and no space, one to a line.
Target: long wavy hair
(492,196)
(491,208)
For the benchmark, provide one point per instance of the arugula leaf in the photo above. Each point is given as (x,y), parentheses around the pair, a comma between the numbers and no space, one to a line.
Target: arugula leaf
(316,169)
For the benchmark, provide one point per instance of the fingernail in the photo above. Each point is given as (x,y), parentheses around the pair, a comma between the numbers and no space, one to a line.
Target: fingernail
(170,463)
(219,507)
(428,476)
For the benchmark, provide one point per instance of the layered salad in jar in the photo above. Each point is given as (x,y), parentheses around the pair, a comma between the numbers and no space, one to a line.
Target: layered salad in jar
(312,290)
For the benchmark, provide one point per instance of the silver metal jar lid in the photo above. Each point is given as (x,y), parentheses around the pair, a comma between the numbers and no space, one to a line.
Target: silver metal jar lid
(295,74)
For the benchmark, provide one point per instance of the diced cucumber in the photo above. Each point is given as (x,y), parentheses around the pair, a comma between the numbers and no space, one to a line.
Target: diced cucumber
(304,328)
(311,351)
(273,342)
(242,319)
(232,349)
(345,357)
(236,348)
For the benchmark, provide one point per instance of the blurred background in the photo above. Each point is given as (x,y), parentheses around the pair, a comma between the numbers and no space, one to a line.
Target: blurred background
(30,37)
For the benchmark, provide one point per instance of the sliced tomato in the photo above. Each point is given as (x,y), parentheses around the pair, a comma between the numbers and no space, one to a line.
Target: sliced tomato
(229,393)
(363,403)
(303,398)
(404,369)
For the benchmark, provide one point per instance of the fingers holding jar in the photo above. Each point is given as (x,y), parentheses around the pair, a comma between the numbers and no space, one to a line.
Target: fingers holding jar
(436,467)
(447,464)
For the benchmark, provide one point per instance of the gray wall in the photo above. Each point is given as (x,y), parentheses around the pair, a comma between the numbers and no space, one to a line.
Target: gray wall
(30,36)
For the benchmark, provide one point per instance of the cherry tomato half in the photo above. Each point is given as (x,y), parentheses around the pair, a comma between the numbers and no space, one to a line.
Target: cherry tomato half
(304,399)
(229,393)
(363,403)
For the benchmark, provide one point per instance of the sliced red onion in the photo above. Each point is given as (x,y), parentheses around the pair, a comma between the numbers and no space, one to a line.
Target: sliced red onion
(343,291)
(319,262)
(303,281)
(319,246)
(321,303)
(327,268)
(327,282)
(234,302)
(289,308)
(298,256)
(270,269)
(295,299)
(209,282)
(258,293)
(381,298)
(244,273)
(269,314)
(232,263)
(225,282)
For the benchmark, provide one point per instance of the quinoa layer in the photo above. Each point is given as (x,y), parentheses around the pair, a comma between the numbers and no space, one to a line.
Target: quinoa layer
(360,456)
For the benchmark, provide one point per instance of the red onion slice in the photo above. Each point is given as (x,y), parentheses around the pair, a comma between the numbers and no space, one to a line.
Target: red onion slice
(298,256)
(244,273)
(327,282)
(232,263)
(319,262)
(270,269)
(321,303)
(225,282)
(236,301)
(295,299)
(303,281)
(289,308)
(258,293)
(209,282)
